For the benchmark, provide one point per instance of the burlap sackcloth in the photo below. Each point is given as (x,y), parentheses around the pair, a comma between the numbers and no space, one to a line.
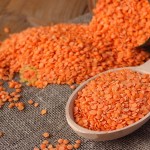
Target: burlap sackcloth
(23,130)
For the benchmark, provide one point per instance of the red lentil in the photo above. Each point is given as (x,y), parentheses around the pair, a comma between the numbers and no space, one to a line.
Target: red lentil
(46,135)
(42,146)
(65,141)
(18,90)
(36,148)
(50,146)
(73,87)
(45,142)
(30,102)
(69,147)
(20,106)
(36,104)
(76,146)
(11,105)
(43,112)
(6,30)
(60,141)
(15,99)
(113,101)
(78,141)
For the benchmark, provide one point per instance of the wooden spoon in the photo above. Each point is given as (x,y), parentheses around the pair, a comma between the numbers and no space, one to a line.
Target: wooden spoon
(104,135)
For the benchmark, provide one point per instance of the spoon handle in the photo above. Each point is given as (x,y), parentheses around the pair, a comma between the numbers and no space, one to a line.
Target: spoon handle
(145,66)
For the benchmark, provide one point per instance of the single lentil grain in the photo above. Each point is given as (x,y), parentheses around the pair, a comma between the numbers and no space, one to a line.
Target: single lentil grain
(30,102)
(76,146)
(46,135)
(65,141)
(42,146)
(60,141)
(20,106)
(78,141)
(50,146)
(36,148)
(6,29)
(11,105)
(73,87)
(69,147)
(45,142)
(18,90)
(36,104)
(43,112)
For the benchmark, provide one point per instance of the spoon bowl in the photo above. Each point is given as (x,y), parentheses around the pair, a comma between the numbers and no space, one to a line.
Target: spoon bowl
(104,135)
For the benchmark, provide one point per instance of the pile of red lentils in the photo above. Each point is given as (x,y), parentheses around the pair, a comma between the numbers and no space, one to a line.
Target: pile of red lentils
(70,53)
(112,101)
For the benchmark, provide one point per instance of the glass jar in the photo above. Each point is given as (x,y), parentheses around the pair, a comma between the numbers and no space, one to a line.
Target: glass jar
(92,4)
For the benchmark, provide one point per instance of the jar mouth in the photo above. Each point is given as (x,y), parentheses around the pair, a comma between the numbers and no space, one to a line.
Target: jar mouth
(92,4)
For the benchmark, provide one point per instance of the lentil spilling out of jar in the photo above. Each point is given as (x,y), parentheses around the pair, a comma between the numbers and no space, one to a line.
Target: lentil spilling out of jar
(124,23)
(70,53)
(113,100)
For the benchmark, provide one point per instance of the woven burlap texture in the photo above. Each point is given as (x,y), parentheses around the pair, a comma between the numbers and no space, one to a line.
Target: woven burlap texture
(23,130)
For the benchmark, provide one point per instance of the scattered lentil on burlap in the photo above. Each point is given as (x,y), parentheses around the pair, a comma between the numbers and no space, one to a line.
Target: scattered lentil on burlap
(30,101)
(46,135)
(36,104)
(12,98)
(62,144)
(43,112)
